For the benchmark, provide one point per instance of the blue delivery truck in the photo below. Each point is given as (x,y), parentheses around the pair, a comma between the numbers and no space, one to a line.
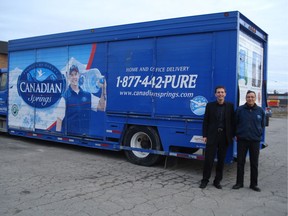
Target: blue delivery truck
(141,88)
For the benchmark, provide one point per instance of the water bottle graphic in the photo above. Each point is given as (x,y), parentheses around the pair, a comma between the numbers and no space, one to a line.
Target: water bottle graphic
(242,75)
(91,80)
(259,72)
(256,70)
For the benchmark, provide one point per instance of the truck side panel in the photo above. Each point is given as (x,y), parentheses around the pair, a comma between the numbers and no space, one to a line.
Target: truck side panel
(38,86)
(154,76)
(129,64)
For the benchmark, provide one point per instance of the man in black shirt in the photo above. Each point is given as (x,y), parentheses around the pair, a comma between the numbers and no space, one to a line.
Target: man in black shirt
(218,130)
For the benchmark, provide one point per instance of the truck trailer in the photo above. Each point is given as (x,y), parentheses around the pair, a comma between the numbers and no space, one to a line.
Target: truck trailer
(141,88)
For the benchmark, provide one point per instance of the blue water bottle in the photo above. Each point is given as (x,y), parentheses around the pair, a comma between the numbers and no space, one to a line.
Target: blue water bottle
(91,80)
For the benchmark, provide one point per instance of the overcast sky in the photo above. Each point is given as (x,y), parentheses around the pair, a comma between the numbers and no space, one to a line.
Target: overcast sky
(27,18)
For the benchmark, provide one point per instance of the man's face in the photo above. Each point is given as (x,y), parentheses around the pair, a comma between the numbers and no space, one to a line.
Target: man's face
(251,99)
(220,94)
(74,78)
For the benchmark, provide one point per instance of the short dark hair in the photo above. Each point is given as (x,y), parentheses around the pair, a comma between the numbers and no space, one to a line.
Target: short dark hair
(73,68)
(218,87)
(249,91)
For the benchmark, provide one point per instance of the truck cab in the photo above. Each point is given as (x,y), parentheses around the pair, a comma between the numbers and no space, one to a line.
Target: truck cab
(3,99)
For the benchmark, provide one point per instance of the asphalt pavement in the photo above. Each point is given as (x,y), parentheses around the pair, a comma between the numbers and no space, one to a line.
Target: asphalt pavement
(39,178)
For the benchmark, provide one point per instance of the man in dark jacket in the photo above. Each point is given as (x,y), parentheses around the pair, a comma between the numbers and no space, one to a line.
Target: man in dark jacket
(218,128)
(250,123)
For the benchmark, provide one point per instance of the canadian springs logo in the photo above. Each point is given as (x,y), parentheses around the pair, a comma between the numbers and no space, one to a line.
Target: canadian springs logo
(41,85)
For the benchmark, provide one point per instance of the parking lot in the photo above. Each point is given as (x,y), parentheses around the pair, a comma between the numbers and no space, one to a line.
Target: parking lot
(53,179)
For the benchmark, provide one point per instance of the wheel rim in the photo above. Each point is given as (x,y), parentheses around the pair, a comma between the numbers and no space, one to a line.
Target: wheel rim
(141,140)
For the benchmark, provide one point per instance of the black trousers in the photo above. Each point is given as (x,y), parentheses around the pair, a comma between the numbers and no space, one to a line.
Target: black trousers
(242,148)
(218,146)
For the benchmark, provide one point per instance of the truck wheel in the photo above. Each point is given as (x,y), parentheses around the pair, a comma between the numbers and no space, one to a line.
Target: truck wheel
(145,138)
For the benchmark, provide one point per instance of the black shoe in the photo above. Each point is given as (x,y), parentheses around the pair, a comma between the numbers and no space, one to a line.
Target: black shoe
(203,185)
(217,185)
(255,188)
(237,186)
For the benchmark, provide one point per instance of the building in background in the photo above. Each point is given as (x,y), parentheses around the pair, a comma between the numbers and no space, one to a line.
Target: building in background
(277,100)
(277,104)
(3,54)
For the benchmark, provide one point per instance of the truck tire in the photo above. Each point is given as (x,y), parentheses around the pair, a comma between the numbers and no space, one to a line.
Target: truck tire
(142,137)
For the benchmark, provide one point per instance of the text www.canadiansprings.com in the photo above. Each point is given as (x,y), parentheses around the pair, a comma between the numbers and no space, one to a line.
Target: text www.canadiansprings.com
(149,93)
